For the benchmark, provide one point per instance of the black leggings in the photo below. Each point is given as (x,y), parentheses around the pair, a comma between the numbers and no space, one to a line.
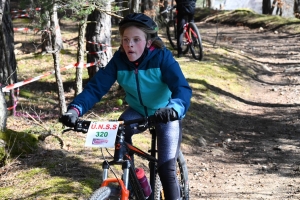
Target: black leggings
(168,143)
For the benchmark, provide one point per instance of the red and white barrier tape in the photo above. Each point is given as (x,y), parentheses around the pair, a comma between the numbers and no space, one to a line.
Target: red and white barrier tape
(30,80)
(73,43)
(96,52)
(20,16)
(97,43)
(26,10)
(26,29)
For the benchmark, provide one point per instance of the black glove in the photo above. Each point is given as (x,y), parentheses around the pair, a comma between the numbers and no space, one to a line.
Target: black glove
(69,118)
(165,115)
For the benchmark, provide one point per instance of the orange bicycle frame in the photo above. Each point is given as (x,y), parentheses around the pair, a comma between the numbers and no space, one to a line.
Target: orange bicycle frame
(124,191)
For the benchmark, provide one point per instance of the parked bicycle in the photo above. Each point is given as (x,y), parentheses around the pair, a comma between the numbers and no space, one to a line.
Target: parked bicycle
(128,184)
(191,38)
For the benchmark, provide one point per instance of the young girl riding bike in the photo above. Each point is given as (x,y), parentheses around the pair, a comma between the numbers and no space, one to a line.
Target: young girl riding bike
(154,85)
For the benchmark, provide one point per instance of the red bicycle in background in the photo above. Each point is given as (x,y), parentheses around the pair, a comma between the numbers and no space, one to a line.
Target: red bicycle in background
(191,38)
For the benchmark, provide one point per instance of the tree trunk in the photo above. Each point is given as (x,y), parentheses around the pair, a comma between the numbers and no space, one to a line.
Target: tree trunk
(297,8)
(278,4)
(266,7)
(209,3)
(56,47)
(135,4)
(273,6)
(8,74)
(3,112)
(45,24)
(80,57)
(127,4)
(98,37)
(143,6)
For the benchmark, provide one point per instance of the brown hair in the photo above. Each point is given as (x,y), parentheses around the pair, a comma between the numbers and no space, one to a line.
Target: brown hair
(150,34)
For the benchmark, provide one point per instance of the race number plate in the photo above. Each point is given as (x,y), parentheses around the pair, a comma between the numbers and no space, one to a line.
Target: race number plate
(102,134)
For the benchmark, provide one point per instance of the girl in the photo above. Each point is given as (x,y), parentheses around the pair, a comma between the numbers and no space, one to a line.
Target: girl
(154,85)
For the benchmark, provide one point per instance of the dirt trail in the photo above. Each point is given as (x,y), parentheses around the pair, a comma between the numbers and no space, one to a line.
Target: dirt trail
(257,156)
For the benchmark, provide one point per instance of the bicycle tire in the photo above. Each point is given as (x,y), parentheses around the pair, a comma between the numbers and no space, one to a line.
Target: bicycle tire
(182,179)
(196,46)
(102,193)
(185,44)
(172,37)
(158,189)
(171,29)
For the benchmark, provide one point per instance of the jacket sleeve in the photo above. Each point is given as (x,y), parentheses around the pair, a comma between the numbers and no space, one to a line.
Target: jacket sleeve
(96,88)
(177,83)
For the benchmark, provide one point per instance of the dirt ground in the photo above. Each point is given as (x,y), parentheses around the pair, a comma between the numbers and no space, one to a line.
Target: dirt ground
(257,154)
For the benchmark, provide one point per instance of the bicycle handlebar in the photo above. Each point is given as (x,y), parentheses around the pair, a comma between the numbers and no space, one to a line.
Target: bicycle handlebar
(168,9)
(83,125)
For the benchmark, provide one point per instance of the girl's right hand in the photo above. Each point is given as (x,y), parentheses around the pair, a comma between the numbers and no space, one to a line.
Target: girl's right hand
(69,118)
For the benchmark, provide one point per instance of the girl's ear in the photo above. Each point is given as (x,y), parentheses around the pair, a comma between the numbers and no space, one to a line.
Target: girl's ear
(149,42)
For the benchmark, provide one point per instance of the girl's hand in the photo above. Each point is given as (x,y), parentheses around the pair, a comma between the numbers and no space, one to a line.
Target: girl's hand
(165,115)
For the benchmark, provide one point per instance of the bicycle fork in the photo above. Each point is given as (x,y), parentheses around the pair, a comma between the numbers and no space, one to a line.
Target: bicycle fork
(186,31)
(129,178)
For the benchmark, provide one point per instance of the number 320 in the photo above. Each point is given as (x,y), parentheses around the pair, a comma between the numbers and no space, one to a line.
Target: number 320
(101,134)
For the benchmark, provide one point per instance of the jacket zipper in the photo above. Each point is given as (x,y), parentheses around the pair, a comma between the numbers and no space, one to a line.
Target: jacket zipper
(138,89)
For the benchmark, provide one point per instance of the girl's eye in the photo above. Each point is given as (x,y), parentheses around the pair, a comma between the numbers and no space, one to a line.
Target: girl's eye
(126,41)
(133,41)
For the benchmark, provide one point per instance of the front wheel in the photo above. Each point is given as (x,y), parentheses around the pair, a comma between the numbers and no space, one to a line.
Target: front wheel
(182,175)
(102,193)
(172,33)
(196,46)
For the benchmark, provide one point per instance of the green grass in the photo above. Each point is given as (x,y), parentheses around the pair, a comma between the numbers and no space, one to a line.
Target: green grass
(54,188)
(19,143)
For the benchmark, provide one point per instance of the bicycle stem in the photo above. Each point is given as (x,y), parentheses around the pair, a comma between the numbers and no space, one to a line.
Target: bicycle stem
(120,148)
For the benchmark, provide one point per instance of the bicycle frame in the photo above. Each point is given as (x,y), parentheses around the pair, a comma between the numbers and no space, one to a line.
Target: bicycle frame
(186,30)
(122,157)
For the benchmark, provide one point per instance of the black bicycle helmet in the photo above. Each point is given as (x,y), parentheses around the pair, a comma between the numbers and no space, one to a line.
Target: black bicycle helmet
(139,18)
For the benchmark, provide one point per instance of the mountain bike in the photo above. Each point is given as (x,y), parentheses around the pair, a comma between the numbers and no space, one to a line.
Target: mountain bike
(128,186)
(190,36)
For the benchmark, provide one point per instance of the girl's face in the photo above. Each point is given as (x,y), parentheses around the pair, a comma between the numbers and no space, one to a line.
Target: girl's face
(134,42)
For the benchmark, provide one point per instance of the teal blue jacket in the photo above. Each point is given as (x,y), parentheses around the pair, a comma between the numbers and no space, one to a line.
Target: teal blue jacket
(157,82)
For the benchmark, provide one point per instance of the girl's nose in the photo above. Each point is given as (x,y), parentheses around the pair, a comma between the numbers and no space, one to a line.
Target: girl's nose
(129,42)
